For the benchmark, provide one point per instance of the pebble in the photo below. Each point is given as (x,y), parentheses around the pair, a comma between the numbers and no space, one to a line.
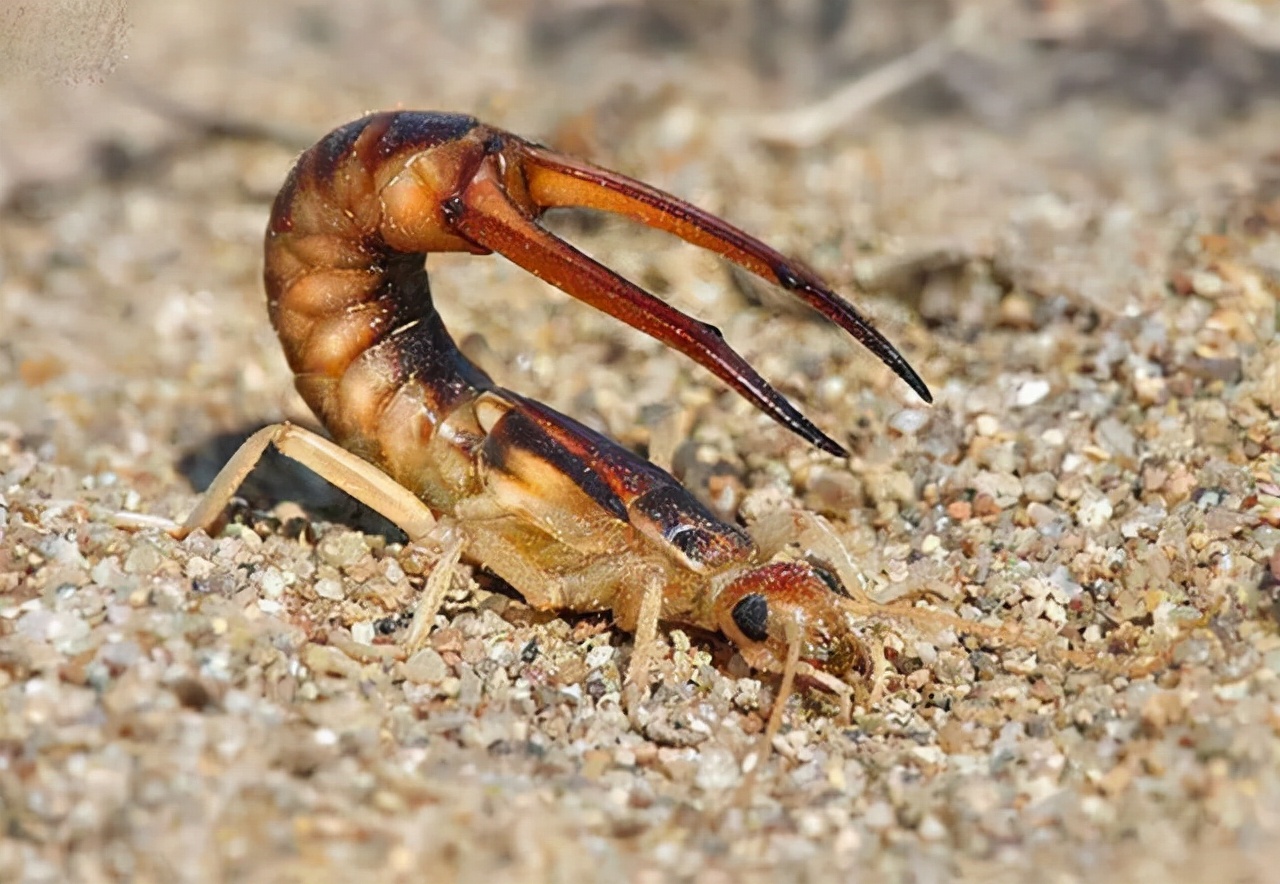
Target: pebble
(363,632)
(986,425)
(1003,488)
(426,667)
(330,588)
(1206,284)
(599,656)
(1094,509)
(198,568)
(1115,438)
(879,816)
(1040,486)
(931,828)
(909,421)
(717,770)
(470,687)
(62,629)
(273,582)
(1030,392)
(107,573)
(342,549)
(143,558)
(119,654)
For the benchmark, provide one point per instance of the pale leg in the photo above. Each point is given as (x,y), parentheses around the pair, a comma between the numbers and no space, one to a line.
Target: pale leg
(751,764)
(424,615)
(636,682)
(357,477)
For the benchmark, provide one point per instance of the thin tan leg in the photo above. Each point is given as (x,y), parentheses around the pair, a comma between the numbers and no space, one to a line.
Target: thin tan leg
(787,686)
(424,615)
(636,682)
(751,764)
(359,478)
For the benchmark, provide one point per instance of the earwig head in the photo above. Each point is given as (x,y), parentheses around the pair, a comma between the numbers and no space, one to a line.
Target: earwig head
(761,608)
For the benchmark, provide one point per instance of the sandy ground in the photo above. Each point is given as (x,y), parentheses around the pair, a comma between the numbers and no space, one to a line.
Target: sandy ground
(1067,217)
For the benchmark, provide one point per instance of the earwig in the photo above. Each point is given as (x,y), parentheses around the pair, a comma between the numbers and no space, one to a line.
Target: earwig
(567,517)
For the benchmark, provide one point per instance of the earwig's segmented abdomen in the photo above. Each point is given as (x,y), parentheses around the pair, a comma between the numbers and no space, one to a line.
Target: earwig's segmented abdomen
(347,290)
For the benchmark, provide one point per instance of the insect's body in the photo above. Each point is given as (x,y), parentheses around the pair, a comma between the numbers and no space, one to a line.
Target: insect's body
(566,516)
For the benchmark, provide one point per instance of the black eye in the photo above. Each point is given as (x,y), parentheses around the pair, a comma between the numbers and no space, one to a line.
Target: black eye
(831,580)
(751,615)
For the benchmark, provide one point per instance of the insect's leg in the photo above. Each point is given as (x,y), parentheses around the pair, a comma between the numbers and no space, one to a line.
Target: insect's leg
(359,478)
(488,542)
(788,681)
(424,615)
(636,682)
(751,764)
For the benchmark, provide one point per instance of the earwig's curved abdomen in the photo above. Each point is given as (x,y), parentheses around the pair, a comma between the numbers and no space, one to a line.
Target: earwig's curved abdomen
(347,290)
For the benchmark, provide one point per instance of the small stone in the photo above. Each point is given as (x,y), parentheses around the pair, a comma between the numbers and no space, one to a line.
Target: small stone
(198,568)
(342,549)
(1115,438)
(1206,284)
(1041,515)
(107,573)
(470,687)
(599,656)
(986,425)
(392,571)
(717,771)
(1150,390)
(329,588)
(273,582)
(363,632)
(909,421)
(62,629)
(1030,392)
(143,559)
(1039,486)
(426,667)
(1094,510)
(985,505)
(119,654)
(1016,311)
(1004,488)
